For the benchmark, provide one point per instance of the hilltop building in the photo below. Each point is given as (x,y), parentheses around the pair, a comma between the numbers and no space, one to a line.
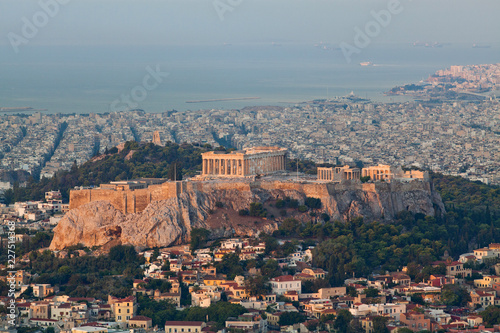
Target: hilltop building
(378,172)
(243,163)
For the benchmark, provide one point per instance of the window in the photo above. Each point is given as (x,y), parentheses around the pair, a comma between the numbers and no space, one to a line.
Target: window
(119,310)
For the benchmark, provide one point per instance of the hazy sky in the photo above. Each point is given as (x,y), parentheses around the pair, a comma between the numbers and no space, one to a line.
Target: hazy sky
(174,22)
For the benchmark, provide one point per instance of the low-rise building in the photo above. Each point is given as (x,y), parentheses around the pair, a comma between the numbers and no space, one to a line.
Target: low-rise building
(184,326)
(415,321)
(284,283)
(124,308)
(141,322)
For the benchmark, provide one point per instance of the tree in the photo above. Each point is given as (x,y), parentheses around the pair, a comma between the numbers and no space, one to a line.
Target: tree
(256,209)
(290,318)
(379,324)
(28,292)
(491,315)
(156,254)
(404,330)
(365,179)
(198,238)
(122,253)
(342,321)
(454,295)
(257,285)
(371,292)
(271,269)
(230,265)
(313,203)
(174,171)
(289,227)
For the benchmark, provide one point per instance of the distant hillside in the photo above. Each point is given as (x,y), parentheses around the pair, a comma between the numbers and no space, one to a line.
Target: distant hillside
(460,193)
(135,160)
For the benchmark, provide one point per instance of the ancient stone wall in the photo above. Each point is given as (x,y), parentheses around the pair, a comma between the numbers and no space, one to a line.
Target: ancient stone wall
(131,201)
(135,201)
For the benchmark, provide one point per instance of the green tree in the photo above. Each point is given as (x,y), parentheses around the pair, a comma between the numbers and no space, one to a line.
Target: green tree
(343,320)
(257,209)
(230,265)
(454,295)
(290,318)
(257,285)
(371,292)
(491,316)
(198,238)
(380,324)
(271,269)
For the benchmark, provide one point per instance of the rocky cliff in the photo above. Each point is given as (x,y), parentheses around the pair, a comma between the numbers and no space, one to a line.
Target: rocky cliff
(168,222)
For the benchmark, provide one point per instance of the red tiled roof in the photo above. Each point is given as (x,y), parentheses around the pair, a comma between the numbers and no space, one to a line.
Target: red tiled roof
(283,278)
(126,299)
(77,299)
(140,318)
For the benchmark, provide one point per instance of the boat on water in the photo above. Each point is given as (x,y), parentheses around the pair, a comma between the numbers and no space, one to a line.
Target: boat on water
(366,63)
(479,46)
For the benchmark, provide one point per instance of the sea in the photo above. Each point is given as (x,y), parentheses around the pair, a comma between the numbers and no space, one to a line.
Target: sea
(99,79)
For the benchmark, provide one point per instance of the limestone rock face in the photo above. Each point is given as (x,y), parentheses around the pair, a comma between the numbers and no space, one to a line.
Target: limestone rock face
(162,223)
(169,222)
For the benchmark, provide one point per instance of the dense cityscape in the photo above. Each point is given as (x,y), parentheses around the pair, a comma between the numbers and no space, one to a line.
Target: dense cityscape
(233,166)
(455,138)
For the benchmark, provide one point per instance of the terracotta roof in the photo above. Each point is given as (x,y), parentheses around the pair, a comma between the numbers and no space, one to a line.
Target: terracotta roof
(77,299)
(140,318)
(283,278)
(126,299)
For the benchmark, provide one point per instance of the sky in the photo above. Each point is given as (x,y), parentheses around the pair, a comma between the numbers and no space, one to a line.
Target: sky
(212,22)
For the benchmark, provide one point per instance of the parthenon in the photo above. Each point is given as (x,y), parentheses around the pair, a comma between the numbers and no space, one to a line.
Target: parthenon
(241,163)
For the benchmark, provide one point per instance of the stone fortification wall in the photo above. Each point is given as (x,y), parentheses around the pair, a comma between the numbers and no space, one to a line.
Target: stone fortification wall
(336,197)
(162,215)
(127,201)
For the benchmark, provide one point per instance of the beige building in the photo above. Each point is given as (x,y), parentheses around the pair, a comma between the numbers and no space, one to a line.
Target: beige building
(141,322)
(124,308)
(40,310)
(338,173)
(184,326)
(486,281)
(331,292)
(42,290)
(387,172)
(379,172)
(242,163)
(89,329)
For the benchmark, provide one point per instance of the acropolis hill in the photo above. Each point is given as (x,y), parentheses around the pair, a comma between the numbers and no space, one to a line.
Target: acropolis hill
(156,212)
